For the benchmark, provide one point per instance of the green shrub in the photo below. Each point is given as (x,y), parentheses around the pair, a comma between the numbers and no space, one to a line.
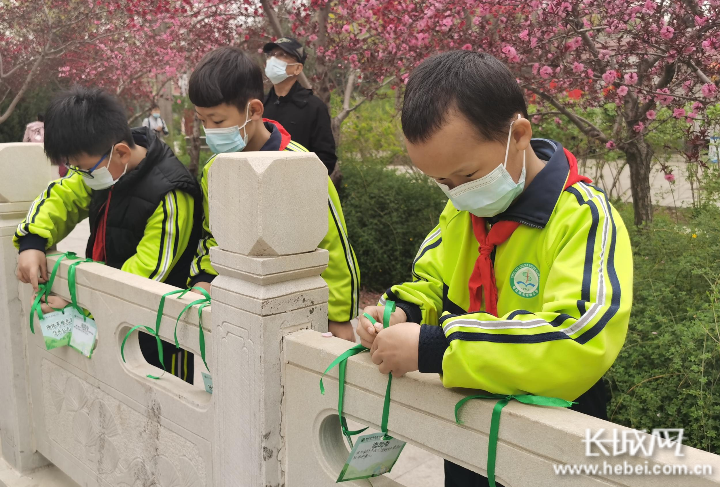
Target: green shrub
(667,374)
(388,212)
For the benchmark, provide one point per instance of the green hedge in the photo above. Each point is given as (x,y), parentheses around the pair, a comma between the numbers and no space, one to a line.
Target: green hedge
(668,373)
(388,212)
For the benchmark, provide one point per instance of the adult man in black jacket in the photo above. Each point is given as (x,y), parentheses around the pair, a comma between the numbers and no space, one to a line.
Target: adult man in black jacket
(300,112)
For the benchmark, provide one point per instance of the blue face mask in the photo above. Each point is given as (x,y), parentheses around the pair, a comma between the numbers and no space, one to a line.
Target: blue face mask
(157,116)
(490,195)
(228,139)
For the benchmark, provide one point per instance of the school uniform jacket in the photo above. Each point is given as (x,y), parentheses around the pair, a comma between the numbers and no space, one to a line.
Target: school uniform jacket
(151,228)
(342,274)
(564,280)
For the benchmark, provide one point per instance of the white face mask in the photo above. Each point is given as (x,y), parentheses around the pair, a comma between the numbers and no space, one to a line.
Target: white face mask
(490,195)
(276,70)
(101,178)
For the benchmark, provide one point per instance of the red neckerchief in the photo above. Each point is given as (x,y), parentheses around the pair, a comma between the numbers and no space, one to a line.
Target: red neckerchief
(284,134)
(98,251)
(483,274)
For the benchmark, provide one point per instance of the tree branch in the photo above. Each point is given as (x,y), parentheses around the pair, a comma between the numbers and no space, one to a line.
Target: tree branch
(22,90)
(585,126)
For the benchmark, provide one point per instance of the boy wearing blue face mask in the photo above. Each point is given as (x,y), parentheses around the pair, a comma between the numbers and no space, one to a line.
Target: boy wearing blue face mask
(140,199)
(525,284)
(226,89)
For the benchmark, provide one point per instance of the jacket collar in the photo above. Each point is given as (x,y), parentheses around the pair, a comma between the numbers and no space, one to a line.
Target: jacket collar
(298,95)
(279,137)
(536,203)
(145,137)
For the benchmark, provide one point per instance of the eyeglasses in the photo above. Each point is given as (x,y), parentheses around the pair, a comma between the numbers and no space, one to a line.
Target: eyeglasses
(87,172)
(280,54)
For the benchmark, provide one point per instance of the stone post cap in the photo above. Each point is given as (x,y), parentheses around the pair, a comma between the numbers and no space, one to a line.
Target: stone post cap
(25,171)
(268,203)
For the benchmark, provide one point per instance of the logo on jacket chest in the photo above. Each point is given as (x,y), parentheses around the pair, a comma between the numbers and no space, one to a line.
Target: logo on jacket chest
(525,280)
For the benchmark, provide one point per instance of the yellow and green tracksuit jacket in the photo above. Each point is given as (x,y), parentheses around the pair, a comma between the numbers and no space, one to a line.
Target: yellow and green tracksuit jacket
(564,282)
(342,274)
(152,224)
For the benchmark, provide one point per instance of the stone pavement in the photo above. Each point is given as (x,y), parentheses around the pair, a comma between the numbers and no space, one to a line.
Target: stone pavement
(77,240)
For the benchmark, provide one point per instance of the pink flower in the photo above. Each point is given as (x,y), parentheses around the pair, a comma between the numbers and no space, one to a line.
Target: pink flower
(631,78)
(622,91)
(679,113)
(510,52)
(536,119)
(609,76)
(467,47)
(312,38)
(346,28)
(670,177)
(651,115)
(697,106)
(546,71)
(447,21)
(709,90)
(558,121)
(639,127)
(578,67)
(353,58)
(523,35)
(610,145)
(590,73)
(667,32)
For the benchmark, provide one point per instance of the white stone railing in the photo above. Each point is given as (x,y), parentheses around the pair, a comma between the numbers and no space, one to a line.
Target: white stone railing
(102,421)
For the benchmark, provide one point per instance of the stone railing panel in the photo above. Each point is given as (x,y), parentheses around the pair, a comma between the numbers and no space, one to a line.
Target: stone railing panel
(25,173)
(532,439)
(103,421)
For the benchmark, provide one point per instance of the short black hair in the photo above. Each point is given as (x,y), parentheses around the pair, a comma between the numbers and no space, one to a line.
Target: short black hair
(477,85)
(154,106)
(41,117)
(84,120)
(226,75)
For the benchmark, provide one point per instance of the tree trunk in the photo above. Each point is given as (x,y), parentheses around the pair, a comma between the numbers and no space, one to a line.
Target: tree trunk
(194,150)
(638,155)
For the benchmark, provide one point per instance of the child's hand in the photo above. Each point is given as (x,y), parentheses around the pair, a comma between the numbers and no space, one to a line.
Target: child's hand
(367,331)
(343,330)
(202,284)
(395,349)
(32,263)
(53,303)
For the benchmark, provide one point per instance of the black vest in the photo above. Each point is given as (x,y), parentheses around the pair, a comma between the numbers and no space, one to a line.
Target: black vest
(136,197)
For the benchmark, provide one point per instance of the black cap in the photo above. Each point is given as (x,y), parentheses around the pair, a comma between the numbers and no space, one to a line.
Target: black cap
(290,46)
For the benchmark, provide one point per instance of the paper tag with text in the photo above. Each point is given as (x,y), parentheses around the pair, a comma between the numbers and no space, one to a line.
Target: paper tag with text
(57,328)
(83,334)
(371,456)
(207,379)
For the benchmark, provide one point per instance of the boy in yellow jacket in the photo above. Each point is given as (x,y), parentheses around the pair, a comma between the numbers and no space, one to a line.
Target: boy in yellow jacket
(525,285)
(227,88)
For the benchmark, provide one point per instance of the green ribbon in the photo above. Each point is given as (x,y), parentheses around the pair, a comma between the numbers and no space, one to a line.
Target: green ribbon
(44,289)
(495,420)
(202,303)
(155,332)
(341,362)
(159,345)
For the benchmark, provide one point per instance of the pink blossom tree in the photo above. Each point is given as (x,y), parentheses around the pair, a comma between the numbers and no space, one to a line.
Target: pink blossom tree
(569,55)
(641,55)
(130,47)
